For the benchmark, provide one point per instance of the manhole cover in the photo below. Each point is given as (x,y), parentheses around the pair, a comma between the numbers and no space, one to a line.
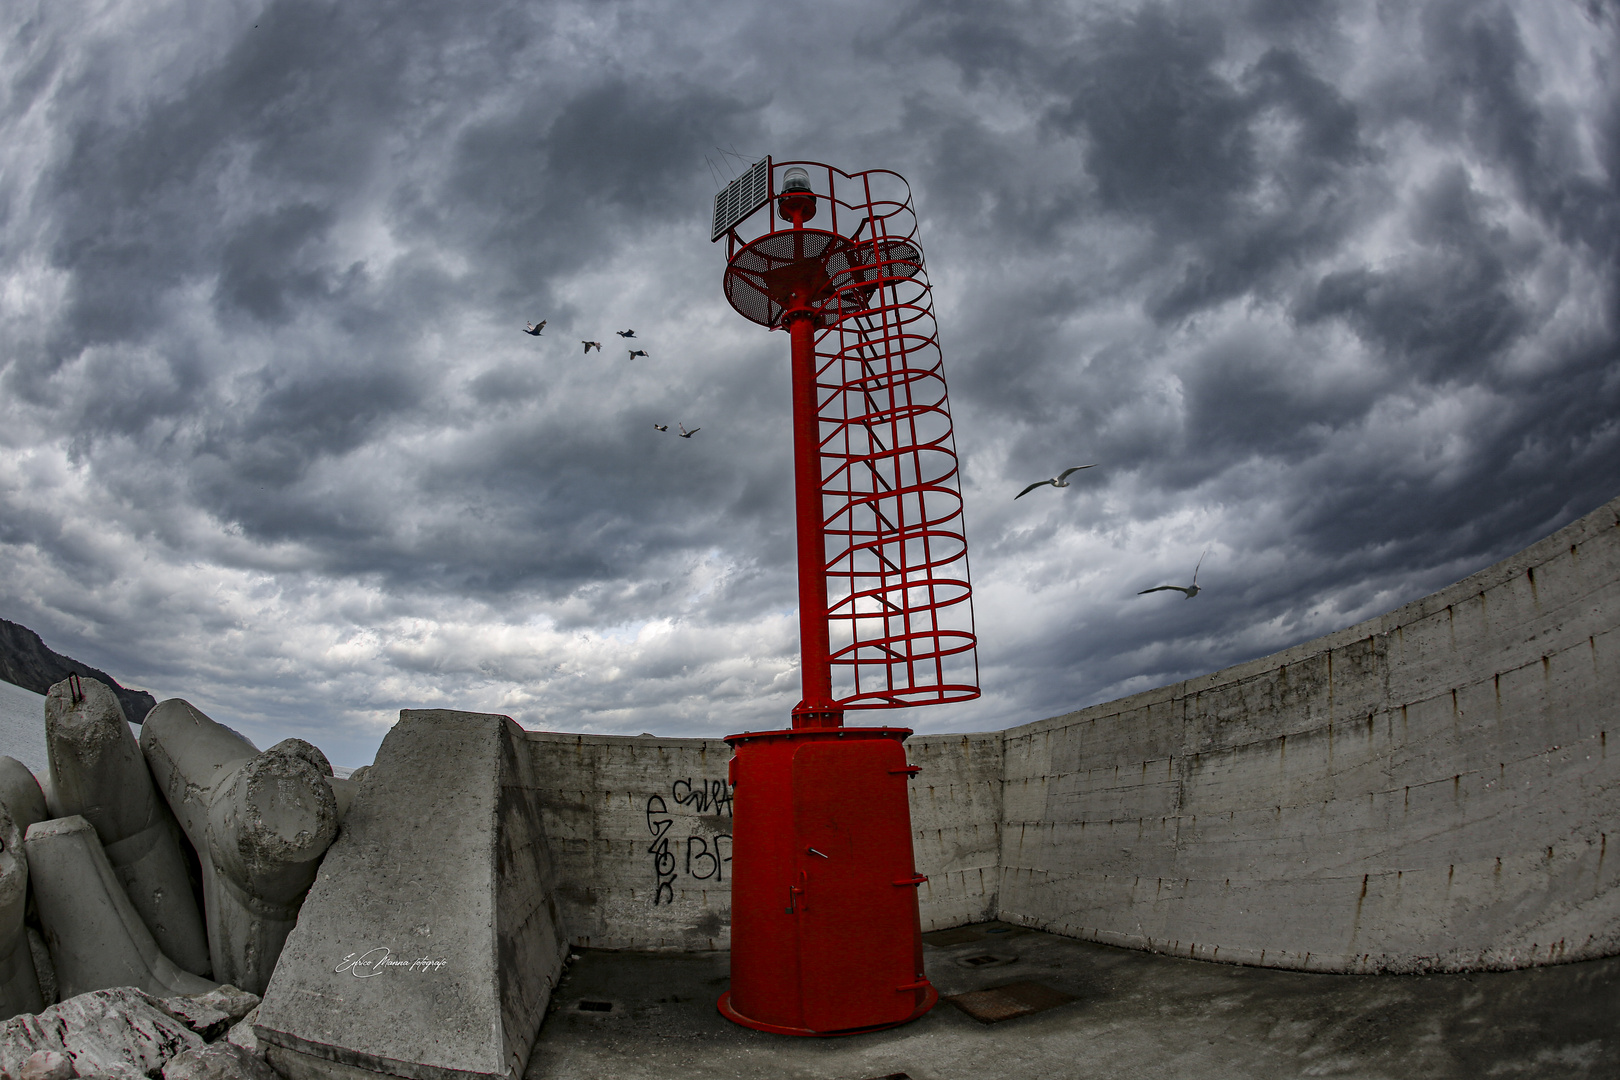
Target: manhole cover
(595,1006)
(1005,1002)
(984,960)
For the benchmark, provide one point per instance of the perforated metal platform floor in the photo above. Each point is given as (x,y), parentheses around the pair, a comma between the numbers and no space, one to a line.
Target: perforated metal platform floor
(629,1016)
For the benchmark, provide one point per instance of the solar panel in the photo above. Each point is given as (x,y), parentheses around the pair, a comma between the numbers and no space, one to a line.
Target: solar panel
(742,197)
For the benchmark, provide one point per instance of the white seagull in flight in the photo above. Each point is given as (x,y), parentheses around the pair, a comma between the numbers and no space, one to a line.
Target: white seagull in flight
(1058,481)
(1191,590)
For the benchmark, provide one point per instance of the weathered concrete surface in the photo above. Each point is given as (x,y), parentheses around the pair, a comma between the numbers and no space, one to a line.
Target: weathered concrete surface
(268,829)
(260,823)
(640,829)
(98,772)
(640,834)
(1428,790)
(21,794)
(19,984)
(429,944)
(1137,1017)
(956,823)
(96,938)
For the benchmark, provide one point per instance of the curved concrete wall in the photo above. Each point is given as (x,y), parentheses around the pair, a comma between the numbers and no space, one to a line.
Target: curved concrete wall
(1430,790)
(639,830)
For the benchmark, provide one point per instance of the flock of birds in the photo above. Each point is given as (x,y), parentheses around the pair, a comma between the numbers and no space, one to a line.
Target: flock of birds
(533,329)
(1061,480)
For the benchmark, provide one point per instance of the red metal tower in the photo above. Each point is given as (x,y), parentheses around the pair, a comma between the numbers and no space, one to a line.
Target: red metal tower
(825,933)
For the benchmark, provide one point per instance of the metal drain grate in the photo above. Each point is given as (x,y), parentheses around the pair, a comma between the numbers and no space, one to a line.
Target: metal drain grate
(979,961)
(595,1006)
(1005,1002)
(892,1076)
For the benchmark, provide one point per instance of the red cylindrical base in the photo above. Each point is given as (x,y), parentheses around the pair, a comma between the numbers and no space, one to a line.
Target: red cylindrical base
(730,1013)
(825,937)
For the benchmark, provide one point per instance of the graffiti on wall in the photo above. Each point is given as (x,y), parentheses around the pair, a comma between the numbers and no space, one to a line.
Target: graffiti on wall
(701,856)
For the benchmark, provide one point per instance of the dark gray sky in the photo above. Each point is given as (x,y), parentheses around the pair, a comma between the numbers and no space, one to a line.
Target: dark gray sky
(1329,289)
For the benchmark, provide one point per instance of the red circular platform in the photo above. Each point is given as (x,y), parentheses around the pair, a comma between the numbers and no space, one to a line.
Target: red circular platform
(837,274)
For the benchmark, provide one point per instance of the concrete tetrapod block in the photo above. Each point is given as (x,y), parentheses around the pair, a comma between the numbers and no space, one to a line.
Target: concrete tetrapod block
(429,945)
(342,790)
(260,824)
(97,772)
(19,983)
(22,803)
(21,794)
(96,938)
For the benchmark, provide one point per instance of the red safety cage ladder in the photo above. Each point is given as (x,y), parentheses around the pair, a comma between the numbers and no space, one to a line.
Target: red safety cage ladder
(899,603)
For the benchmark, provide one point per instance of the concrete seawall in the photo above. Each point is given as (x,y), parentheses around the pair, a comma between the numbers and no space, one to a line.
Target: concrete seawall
(639,830)
(1430,790)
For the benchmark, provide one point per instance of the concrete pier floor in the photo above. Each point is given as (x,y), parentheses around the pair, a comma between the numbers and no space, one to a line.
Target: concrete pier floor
(629,1016)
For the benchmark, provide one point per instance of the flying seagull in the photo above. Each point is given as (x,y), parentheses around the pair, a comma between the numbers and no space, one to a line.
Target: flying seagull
(688,434)
(533,329)
(589,345)
(661,427)
(1191,590)
(1060,480)
(636,352)
(625,333)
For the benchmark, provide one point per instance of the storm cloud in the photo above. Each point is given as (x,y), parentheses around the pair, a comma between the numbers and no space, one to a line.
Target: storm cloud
(1328,289)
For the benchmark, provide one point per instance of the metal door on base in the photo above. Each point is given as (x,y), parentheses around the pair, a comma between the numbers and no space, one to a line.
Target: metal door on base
(860,952)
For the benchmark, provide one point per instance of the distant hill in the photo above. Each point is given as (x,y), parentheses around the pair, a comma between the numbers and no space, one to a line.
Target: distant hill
(26,661)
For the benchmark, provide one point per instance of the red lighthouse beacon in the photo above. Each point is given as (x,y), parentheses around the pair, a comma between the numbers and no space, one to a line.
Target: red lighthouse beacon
(825,936)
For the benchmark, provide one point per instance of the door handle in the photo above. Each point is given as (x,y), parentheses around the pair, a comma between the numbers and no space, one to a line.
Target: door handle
(796,890)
